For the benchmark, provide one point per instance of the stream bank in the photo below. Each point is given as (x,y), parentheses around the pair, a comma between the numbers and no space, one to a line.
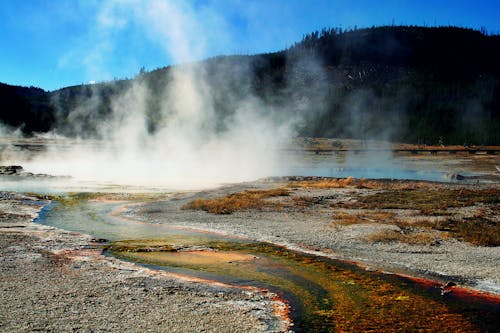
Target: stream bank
(307,282)
(312,219)
(52,281)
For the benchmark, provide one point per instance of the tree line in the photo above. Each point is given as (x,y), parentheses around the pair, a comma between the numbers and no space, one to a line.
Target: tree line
(400,83)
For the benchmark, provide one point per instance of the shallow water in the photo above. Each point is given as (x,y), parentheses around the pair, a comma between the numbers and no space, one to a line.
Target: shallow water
(382,164)
(339,166)
(67,185)
(325,295)
(92,218)
(387,165)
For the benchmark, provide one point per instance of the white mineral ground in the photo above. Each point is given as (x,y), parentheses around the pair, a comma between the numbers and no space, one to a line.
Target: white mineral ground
(51,282)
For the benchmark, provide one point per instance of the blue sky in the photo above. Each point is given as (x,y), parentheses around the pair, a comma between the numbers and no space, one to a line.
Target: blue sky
(53,44)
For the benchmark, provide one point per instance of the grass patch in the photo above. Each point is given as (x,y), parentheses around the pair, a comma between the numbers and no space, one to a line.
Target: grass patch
(328,183)
(350,182)
(475,230)
(413,238)
(344,218)
(304,201)
(121,247)
(252,199)
(427,201)
(70,199)
(74,198)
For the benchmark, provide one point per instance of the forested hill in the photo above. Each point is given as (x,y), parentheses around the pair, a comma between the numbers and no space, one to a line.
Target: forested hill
(402,83)
(27,107)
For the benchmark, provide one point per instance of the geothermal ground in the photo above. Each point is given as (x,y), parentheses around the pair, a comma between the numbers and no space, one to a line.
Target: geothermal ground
(52,281)
(441,230)
(57,280)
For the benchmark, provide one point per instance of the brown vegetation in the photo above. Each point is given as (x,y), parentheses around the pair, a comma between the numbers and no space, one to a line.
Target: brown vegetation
(304,201)
(252,199)
(475,230)
(121,247)
(344,218)
(427,201)
(433,203)
(413,237)
(480,229)
(350,182)
(327,183)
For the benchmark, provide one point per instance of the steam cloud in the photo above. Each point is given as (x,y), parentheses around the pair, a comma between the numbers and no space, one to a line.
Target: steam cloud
(186,150)
(189,147)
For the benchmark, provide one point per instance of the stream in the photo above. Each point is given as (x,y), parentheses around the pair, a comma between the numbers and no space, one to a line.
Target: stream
(324,295)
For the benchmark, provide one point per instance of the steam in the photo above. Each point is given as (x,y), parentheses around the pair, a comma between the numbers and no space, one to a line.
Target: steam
(186,150)
(186,143)
(5,131)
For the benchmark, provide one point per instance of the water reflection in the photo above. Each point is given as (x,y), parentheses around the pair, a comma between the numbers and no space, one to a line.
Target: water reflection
(378,166)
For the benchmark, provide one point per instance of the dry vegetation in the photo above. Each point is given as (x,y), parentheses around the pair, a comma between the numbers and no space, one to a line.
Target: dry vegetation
(331,183)
(252,199)
(427,201)
(432,208)
(417,237)
(475,230)
(355,183)
(124,247)
(426,231)
(327,183)
(374,216)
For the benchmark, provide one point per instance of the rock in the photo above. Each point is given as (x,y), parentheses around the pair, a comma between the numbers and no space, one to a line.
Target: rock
(454,176)
(447,288)
(11,170)
(450,284)
(99,240)
(18,171)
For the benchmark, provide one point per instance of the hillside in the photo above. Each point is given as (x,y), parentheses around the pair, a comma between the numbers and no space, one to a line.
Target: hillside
(30,108)
(408,84)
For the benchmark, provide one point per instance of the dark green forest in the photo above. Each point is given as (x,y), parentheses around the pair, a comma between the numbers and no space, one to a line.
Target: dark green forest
(399,83)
